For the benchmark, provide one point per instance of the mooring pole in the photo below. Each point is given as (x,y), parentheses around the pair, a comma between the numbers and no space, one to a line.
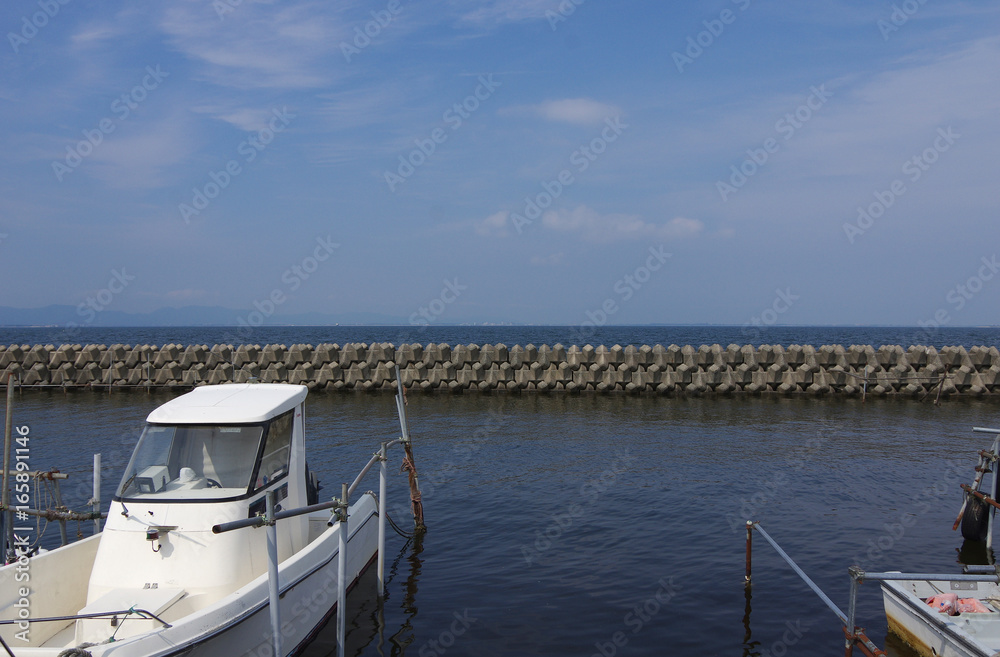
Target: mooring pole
(62,523)
(342,573)
(409,464)
(382,484)
(8,430)
(97,493)
(749,550)
(272,576)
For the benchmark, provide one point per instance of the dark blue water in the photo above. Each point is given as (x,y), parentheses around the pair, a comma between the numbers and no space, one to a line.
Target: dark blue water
(583,525)
(511,335)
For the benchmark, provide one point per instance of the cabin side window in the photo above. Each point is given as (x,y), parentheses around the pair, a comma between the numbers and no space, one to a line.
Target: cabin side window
(277,450)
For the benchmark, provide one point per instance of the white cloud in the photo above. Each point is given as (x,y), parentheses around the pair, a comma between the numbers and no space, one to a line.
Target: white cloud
(140,158)
(244,118)
(509,11)
(582,111)
(494,225)
(95,33)
(595,227)
(258,45)
(579,111)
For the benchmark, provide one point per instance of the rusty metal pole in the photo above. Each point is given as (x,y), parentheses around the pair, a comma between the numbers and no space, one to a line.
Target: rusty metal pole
(749,550)
(416,503)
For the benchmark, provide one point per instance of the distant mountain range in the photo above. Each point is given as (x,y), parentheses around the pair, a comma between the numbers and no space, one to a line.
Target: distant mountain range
(59,315)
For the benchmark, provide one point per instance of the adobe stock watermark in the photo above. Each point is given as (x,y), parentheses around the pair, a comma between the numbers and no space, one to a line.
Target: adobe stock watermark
(783,302)
(705,39)
(96,304)
(292,279)
(773,487)
(787,126)
(464,453)
(794,631)
(454,117)
(900,16)
(37,21)
(562,13)
(580,159)
(449,294)
(122,107)
(928,499)
(624,289)
(576,514)
(364,34)
(204,194)
(446,639)
(957,297)
(914,169)
(637,617)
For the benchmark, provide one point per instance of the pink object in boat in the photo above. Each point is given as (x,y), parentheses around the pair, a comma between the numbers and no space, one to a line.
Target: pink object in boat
(945,603)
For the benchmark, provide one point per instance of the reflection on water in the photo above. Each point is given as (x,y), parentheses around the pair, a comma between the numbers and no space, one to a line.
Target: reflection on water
(750,647)
(366,624)
(975,553)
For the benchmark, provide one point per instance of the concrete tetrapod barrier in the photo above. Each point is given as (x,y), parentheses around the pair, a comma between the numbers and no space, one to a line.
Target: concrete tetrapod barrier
(857,370)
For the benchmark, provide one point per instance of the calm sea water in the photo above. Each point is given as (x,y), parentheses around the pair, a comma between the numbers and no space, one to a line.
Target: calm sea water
(555,521)
(511,335)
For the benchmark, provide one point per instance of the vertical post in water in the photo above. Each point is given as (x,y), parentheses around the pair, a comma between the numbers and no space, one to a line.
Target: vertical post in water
(8,430)
(749,551)
(382,509)
(416,503)
(59,502)
(852,631)
(342,573)
(272,576)
(97,493)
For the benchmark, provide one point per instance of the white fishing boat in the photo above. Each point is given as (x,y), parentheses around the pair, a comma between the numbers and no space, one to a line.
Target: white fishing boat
(158,580)
(913,611)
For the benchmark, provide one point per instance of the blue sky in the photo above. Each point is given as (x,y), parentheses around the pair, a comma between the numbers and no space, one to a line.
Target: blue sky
(537,161)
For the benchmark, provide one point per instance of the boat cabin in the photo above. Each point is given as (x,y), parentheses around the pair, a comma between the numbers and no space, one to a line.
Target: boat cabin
(207,457)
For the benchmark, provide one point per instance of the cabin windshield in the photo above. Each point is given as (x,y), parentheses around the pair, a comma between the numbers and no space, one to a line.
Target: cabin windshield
(191,462)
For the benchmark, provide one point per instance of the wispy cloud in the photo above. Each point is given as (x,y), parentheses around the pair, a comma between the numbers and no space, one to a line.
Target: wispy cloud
(496,12)
(495,225)
(579,111)
(592,226)
(258,45)
(141,159)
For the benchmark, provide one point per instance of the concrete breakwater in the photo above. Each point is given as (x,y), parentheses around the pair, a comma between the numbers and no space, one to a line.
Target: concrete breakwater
(673,370)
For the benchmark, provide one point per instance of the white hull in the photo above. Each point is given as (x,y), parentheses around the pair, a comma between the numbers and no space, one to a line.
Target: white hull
(934,634)
(239,624)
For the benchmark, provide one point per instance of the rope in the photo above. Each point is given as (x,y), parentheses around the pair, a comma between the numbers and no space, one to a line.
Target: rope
(396,527)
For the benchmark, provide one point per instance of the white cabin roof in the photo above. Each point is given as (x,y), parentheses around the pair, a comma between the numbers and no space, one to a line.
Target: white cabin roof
(230,403)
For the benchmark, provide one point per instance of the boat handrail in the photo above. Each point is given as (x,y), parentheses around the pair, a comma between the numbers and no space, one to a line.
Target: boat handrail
(261,520)
(985,430)
(861,575)
(103,614)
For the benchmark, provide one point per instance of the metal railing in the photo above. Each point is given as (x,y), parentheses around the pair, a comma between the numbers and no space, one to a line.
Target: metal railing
(340,507)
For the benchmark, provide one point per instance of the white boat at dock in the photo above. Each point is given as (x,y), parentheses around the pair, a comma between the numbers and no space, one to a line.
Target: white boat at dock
(180,567)
(933,633)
